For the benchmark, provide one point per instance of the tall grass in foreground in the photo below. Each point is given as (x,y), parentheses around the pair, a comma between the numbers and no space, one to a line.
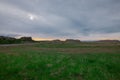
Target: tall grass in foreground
(52,65)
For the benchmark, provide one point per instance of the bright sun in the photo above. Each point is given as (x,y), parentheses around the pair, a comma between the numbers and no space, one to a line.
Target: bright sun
(31,17)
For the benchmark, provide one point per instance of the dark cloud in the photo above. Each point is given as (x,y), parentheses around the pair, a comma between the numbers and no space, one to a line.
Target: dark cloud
(60,18)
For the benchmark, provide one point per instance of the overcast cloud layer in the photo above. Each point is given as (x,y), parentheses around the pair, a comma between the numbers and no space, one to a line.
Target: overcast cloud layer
(78,19)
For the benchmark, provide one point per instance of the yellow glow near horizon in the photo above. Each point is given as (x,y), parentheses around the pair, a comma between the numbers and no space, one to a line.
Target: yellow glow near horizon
(46,39)
(49,39)
(42,39)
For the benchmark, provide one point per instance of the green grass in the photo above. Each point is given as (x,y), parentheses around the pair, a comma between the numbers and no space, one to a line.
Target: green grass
(36,63)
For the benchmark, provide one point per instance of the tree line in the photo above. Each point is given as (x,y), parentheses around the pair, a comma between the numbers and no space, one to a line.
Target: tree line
(11,40)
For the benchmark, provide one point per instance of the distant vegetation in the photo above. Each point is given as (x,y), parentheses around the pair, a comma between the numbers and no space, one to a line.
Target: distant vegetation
(108,41)
(11,40)
(8,40)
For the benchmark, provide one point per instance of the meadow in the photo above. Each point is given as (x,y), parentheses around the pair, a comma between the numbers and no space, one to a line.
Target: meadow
(60,61)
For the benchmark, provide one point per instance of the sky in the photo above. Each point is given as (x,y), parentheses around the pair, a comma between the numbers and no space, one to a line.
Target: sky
(61,19)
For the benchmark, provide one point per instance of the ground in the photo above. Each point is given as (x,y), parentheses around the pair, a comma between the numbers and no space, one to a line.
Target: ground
(60,61)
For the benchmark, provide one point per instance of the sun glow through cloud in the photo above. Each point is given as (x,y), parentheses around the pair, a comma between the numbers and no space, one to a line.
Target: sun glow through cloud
(32,17)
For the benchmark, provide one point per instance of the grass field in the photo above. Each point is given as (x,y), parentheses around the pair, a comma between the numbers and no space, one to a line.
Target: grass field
(60,61)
